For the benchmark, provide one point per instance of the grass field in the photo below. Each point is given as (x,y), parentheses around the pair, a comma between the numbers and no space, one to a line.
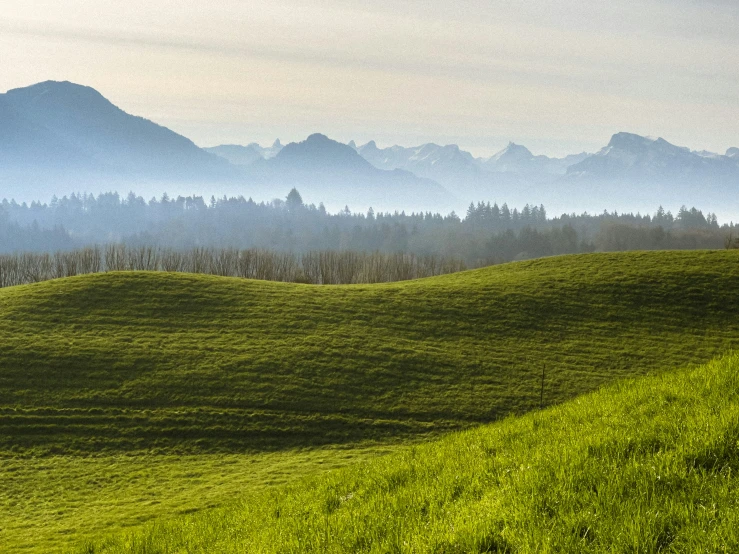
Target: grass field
(51,503)
(121,392)
(648,465)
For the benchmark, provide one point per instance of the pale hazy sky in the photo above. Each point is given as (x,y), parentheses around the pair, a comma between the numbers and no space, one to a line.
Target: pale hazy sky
(556,75)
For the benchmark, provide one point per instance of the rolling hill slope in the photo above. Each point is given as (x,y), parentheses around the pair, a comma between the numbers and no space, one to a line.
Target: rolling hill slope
(125,361)
(207,377)
(649,465)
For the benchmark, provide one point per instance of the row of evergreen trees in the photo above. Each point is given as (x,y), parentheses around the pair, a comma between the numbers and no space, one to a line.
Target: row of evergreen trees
(488,232)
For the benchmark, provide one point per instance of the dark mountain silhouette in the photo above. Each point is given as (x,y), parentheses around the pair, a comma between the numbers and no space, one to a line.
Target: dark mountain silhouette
(60,133)
(320,153)
(81,119)
(57,137)
(23,142)
(325,170)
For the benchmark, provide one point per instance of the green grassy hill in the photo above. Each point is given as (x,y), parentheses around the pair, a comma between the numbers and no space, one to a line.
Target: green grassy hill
(121,392)
(649,465)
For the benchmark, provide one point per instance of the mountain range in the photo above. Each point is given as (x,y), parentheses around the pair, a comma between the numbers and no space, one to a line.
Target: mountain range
(631,173)
(56,137)
(325,170)
(55,132)
(245,155)
(519,159)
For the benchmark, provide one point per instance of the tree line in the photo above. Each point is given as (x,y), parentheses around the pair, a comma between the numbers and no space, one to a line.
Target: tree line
(314,267)
(488,233)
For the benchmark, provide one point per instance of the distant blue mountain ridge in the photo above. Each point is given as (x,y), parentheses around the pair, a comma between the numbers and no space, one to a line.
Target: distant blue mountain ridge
(56,137)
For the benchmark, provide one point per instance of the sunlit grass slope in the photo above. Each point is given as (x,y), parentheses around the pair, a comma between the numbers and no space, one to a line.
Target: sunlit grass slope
(128,361)
(648,465)
(51,503)
(122,393)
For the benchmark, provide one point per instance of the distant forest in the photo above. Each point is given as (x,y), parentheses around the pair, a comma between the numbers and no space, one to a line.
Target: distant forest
(486,234)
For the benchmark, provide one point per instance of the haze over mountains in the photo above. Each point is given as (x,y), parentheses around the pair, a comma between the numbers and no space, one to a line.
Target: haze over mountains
(58,137)
(245,155)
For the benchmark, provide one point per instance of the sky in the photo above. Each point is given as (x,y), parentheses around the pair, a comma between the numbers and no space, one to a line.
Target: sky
(559,76)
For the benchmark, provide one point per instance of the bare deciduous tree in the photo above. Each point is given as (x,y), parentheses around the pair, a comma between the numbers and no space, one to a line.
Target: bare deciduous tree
(325,267)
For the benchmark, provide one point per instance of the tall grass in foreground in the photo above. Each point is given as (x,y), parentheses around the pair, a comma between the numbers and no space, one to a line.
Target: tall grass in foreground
(321,267)
(647,465)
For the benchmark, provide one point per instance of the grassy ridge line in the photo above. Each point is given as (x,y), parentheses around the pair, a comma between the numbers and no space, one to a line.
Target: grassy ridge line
(190,363)
(648,465)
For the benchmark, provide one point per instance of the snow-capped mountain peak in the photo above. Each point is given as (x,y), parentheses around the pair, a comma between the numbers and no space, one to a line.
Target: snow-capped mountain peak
(633,157)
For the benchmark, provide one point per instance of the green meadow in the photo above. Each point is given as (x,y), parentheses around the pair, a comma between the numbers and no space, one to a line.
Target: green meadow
(136,397)
(647,465)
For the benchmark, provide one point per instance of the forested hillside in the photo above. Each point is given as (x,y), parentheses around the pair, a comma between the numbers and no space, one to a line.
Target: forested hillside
(487,233)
